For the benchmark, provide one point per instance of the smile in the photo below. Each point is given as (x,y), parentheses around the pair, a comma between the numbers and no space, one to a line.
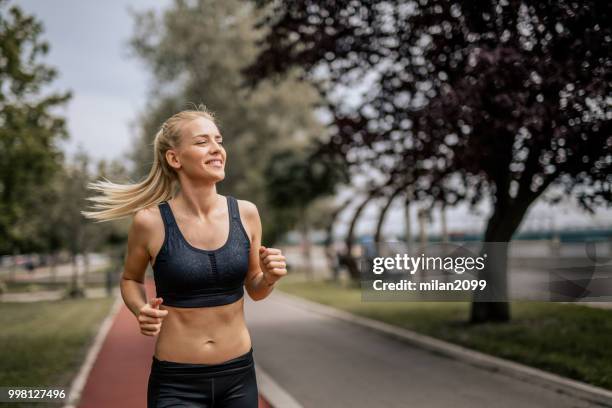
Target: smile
(214,162)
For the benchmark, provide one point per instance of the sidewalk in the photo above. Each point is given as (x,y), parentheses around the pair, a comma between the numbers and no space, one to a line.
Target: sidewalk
(120,373)
(46,295)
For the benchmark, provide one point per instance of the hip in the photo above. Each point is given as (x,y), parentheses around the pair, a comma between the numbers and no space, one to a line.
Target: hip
(204,385)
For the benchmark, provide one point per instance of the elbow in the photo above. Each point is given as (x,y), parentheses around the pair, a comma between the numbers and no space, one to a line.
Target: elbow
(254,297)
(125,279)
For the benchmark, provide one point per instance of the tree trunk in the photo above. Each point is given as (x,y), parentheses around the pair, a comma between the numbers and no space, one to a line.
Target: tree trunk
(306,245)
(495,274)
(86,268)
(75,288)
(423,218)
(443,222)
(381,220)
(74,283)
(500,228)
(330,249)
(53,267)
(407,221)
(349,259)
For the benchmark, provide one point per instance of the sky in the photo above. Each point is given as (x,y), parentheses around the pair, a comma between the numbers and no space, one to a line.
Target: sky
(88,46)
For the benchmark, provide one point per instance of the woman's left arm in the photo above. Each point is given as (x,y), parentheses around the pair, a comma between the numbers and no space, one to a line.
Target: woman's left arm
(266,265)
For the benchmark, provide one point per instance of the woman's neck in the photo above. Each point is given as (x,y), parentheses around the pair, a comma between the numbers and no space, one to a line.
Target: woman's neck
(198,201)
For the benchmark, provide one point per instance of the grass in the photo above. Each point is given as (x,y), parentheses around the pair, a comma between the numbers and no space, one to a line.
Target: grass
(44,343)
(566,339)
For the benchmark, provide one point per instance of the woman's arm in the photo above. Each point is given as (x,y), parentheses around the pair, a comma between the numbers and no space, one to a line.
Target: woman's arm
(136,260)
(132,280)
(259,284)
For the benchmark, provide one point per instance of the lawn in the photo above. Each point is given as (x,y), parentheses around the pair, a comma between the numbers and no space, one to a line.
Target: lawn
(44,343)
(566,339)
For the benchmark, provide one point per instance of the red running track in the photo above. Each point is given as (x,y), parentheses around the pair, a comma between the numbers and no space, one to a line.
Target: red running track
(120,373)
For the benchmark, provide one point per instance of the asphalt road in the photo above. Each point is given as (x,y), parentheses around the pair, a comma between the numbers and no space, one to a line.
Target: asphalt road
(326,362)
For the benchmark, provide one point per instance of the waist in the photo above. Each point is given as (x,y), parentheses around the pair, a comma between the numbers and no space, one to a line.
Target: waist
(204,322)
(202,334)
(237,364)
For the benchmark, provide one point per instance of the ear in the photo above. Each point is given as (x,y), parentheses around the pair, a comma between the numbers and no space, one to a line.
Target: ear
(173,159)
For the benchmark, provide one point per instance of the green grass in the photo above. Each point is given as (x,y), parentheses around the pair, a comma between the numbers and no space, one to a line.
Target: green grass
(44,343)
(569,340)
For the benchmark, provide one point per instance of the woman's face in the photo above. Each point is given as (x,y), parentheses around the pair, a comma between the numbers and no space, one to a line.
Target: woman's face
(201,154)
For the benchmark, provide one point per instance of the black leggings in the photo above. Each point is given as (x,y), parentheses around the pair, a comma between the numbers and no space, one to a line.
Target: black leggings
(230,384)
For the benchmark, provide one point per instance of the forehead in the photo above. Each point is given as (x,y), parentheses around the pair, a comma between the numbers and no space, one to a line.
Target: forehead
(200,126)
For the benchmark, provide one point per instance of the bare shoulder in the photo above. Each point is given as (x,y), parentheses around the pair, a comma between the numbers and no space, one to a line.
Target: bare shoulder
(250,215)
(247,209)
(147,219)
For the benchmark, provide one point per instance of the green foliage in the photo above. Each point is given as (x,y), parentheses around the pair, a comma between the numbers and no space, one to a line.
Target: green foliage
(76,233)
(295,179)
(296,183)
(196,52)
(464,101)
(29,131)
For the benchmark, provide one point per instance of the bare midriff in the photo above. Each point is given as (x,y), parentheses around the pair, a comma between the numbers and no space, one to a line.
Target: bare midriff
(203,335)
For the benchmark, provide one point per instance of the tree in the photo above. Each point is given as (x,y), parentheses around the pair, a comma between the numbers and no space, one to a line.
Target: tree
(29,130)
(295,180)
(499,100)
(196,51)
(79,235)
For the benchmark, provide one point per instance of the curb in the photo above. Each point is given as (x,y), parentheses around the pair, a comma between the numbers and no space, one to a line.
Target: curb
(79,381)
(522,372)
(273,393)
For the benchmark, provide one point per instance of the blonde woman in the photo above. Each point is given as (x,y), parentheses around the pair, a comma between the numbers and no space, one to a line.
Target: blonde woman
(203,248)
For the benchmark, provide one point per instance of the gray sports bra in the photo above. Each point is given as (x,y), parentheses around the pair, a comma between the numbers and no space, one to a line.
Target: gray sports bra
(186,276)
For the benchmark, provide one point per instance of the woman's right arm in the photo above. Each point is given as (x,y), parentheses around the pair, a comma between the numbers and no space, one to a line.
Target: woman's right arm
(136,261)
(132,280)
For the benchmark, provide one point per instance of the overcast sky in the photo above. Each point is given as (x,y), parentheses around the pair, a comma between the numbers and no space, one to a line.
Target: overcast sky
(88,42)
(88,48)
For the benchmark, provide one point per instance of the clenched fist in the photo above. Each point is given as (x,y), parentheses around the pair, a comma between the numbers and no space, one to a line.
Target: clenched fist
(150,317)
(272,264)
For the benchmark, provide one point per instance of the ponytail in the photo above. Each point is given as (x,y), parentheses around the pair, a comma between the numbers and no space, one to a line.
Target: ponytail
(122,200)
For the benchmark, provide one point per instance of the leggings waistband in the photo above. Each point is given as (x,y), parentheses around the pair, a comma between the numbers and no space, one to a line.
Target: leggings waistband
(236,364)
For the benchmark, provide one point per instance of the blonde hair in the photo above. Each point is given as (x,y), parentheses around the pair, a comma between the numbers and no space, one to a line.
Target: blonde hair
(122,200)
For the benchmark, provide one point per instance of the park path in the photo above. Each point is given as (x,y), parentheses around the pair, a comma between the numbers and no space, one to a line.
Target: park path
(120,373)
(327,362)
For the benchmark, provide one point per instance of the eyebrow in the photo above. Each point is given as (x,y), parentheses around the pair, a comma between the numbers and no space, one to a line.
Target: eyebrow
(207,135)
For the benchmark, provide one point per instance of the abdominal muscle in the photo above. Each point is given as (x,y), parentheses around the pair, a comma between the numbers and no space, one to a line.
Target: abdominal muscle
(203,335)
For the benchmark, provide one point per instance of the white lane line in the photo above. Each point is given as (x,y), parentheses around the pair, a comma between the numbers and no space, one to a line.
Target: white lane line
(272,392)
(78,383)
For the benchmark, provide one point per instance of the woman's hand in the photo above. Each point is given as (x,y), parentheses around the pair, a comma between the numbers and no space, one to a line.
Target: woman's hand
(150,317)
(272,263)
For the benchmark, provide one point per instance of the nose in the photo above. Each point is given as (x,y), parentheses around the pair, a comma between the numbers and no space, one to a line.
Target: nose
(215,146)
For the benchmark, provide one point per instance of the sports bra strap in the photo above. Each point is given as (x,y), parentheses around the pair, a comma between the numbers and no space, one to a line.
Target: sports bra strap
(164,209)
(234,207)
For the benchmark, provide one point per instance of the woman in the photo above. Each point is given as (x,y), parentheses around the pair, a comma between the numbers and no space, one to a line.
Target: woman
(203,247)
